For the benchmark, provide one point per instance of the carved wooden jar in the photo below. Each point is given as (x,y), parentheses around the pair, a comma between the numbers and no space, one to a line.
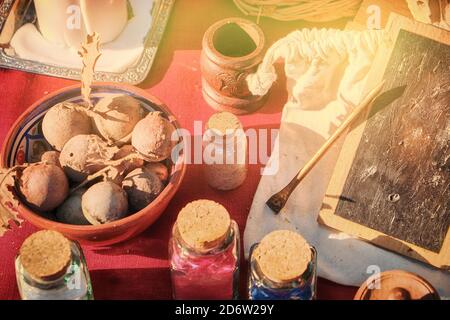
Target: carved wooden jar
(232,49)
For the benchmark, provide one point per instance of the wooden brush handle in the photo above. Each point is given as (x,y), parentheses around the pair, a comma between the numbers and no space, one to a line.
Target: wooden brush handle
(342,128)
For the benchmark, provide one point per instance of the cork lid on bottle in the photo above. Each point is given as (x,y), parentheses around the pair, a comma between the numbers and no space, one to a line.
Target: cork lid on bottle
(45,255)
(396,285)
(203,224)
(283,256)
(223,123)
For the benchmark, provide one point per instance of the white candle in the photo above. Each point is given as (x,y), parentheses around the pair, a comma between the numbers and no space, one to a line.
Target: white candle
(66,22)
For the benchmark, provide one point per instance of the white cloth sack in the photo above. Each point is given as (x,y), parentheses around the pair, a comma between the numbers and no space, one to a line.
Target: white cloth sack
(326,72)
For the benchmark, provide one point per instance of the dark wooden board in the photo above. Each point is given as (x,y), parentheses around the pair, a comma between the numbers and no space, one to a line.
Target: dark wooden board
(400,178)
(393,174)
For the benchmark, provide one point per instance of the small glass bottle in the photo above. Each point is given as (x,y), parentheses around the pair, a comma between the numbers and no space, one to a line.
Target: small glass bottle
(225,152)
(51,267)
(282,267)
(204,253)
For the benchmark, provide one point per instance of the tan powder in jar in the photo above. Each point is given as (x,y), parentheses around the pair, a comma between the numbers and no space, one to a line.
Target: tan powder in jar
(225,137)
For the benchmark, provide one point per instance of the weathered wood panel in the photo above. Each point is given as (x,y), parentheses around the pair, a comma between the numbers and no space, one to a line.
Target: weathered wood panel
(400,178)
(391,183)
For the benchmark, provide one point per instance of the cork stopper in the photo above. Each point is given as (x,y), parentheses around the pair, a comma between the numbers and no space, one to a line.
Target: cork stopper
(46,255)
(283,256)
(223,123)
(203,224)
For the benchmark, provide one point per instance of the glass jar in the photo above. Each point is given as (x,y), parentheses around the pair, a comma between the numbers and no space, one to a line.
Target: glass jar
(208,273)
(300,287)
(225,152)
(71,283)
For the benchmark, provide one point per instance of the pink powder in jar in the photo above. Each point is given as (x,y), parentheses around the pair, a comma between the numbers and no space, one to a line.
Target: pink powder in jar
(210,276)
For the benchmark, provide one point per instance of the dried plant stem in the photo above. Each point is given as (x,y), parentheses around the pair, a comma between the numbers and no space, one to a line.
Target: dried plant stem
(103,173)
(114,170)
(93,114)
(8,198)
(90,53)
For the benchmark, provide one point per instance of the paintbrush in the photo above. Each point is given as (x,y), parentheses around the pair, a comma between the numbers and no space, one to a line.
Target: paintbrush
(279,199)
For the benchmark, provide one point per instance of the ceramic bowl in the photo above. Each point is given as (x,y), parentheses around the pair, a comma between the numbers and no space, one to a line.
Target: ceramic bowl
(25,143)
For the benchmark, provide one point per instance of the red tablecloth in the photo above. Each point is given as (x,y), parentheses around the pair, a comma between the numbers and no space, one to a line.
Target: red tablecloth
(138,269)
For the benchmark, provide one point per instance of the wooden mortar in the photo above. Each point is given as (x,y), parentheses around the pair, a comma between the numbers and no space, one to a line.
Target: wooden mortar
(232,49)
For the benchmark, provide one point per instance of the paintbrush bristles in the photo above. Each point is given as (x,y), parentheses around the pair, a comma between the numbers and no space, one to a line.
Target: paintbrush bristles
(277,201)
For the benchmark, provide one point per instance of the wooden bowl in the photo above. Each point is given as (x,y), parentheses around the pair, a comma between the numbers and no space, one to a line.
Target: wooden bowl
(25,143)
(396,285)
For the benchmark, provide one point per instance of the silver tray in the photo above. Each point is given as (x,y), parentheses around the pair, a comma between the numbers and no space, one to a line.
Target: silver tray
(24,13)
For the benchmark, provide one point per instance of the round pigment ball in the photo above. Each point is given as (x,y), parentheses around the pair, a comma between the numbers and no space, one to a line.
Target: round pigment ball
(84,155)
(152,137)
(51,157)
(44,187)
(142,187)
(104,202)
(62,122)
(160,169)
(70,212)
(121,114)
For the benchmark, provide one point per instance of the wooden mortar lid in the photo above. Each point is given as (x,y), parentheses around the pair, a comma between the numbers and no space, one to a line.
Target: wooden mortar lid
(283,255)
(223,123)
(203,224)
(396,285)
(46,255)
